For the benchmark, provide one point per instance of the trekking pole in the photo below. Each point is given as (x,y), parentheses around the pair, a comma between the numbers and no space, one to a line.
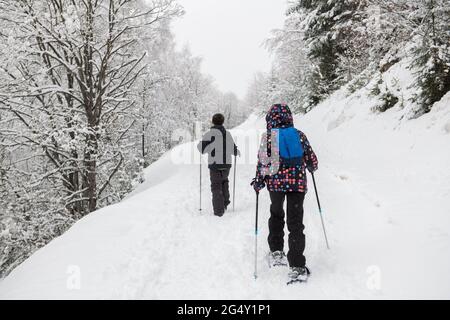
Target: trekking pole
(200,183)
(234,182)
(320,210)
(256,236)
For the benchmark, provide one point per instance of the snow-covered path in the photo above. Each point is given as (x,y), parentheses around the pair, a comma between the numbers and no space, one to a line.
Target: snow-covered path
(385,205)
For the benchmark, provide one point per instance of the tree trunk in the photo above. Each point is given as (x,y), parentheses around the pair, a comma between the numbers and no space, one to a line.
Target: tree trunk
(91,173)
(90,157)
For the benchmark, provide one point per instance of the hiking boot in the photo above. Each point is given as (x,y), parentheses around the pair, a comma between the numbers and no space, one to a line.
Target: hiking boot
(277,259)
(298,274)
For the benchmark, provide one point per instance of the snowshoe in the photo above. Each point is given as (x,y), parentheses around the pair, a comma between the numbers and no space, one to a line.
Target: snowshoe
(277,259)
(298,275)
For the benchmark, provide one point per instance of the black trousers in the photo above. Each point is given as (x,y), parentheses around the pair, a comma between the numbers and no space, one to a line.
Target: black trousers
(295,225)
(220,190)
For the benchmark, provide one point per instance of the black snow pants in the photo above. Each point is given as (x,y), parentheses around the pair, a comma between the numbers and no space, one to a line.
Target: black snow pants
(220,190)
(295,225)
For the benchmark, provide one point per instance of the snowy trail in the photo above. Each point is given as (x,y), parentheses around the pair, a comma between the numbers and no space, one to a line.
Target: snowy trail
(384,217)
(170,250)
(209,257)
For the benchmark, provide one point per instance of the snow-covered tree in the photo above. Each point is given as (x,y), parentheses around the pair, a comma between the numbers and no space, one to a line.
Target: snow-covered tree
(68,109)
(330,36)
(326,44)
(423,26)
(431,63)
(69,86)
(256,97)
(292,66)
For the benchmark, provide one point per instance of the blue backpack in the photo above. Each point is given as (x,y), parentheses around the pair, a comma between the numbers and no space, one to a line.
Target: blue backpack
(291,148)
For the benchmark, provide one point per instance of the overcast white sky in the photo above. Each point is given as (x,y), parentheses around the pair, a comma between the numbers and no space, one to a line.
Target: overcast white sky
(228,35)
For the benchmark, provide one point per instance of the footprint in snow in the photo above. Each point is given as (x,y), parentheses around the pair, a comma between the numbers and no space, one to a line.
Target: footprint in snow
(343,177)
(392,222)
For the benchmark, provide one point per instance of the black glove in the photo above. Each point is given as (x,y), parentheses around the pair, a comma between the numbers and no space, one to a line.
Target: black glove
(258,185)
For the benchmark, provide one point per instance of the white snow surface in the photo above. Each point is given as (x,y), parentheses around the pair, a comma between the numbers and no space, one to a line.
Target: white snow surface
(384,184)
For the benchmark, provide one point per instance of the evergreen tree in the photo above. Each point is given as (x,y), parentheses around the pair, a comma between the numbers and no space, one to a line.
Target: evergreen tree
(432,53)
(325,24)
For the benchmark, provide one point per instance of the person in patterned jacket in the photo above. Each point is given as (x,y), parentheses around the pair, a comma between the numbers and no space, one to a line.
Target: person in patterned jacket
(284,156)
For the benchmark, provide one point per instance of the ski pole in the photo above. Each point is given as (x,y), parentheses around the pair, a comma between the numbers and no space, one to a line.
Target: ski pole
(256,236)
(320,210)
(234,183)
(200,183)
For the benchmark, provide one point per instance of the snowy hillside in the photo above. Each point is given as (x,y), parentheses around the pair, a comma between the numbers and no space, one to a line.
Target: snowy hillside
(385,191)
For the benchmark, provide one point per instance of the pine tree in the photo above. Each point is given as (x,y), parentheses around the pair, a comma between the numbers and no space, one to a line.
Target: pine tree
(325,24)
(432,53)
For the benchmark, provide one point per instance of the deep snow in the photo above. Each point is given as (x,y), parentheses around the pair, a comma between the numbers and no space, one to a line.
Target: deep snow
(385,189)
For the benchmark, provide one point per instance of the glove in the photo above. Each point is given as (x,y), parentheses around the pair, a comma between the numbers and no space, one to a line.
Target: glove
(258,185)
(310,168)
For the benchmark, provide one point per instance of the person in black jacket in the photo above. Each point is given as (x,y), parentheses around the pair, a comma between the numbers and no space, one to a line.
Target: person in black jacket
(220,147)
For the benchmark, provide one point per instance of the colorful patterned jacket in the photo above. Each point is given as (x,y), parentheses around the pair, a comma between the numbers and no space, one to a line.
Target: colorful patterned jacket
(277,176)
